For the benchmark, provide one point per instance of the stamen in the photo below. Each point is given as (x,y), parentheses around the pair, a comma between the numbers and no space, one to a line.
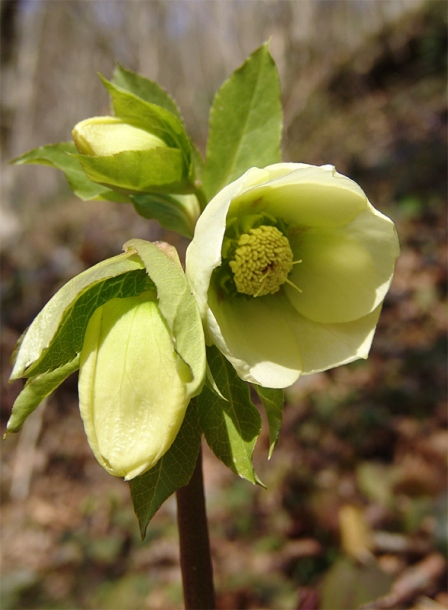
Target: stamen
(263,261)
(293,285)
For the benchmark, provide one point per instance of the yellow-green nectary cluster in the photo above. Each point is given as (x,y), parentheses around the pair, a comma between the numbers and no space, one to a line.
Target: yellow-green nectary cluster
(275,319)
(263,260)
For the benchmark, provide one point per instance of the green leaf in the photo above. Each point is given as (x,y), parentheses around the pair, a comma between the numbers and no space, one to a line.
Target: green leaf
(231,426)
(155,119)
(136,171)
(146,89)
(272,400)
(151,92)
(57,333)
(35,390)
(169,211)
(245,122)
(62,156)
(172,471)
(177,305)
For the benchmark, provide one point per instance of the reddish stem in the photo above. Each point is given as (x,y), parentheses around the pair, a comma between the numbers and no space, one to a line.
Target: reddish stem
(195,558)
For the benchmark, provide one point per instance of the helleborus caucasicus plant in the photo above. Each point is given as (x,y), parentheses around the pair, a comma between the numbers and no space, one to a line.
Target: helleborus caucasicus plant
(290,265)
(286,273)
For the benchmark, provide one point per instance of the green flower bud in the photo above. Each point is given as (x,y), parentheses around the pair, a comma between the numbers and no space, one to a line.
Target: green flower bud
(132,385)
(107,135)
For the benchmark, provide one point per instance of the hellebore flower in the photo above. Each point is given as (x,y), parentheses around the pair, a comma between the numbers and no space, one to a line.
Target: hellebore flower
(133,386)
(290,265)
(108,135)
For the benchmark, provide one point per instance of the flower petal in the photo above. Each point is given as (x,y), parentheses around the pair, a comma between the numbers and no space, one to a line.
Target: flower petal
(132,397)
(306,196)
(324,346)
(261,346)
(345,272)
(337,278)
(204,252)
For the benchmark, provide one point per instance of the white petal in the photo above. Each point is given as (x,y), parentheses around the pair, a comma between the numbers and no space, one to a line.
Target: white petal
(306,196)
(324,346)
(261,346)
(345,272)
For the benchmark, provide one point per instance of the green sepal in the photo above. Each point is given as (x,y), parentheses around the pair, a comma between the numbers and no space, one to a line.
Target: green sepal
(167,210)
(177,305)
(144,88)
(150,490)
(62,156)
(272,400)
(231,425)
(245,122)
(152,92)
(136,171)
(35,390)
(56,335)
(155,119)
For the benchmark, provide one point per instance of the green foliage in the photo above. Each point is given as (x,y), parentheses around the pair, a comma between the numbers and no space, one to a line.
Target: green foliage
(63,156)
(167,209)
(272,400)
(172,471)
(149,116)
(56,335)
(176,305)
(230,422)
(144,88)
(245,122)
(163,183)
(136,171)
(152,92)
(36,389)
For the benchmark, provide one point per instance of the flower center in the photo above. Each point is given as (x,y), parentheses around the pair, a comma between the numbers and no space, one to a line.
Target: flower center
(263,260)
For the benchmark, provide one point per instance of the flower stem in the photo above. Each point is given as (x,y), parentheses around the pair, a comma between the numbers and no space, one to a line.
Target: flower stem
(195,558)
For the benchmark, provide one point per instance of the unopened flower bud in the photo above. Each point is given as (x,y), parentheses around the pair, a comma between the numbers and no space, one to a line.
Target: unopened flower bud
(132,385)
(107,135)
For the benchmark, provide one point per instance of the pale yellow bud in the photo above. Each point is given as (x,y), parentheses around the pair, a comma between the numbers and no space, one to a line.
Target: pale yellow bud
(107,135)
(132,385)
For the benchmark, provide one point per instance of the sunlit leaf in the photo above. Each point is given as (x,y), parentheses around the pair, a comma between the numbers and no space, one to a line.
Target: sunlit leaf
(272,400)
(245,122)
(56,335)
(61,156)
(231,426)
(135,171)
(177,305)
(172,471)
(149,116)
(144,88)
(152,92)
(35,390)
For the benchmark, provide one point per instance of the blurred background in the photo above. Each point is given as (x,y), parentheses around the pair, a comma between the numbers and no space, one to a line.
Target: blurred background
(356,509)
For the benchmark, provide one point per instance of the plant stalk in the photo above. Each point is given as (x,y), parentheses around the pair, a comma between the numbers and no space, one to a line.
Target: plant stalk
(195,558)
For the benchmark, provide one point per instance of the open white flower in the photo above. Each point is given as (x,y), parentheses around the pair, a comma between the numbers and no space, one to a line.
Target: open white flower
(290,265)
